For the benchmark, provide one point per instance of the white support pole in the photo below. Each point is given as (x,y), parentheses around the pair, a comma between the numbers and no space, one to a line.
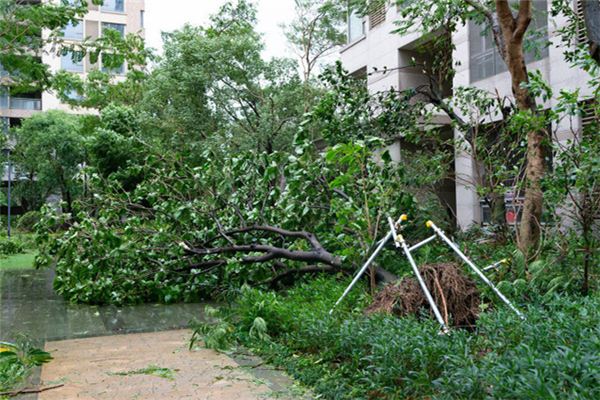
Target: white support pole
(495,265)
(481,275)
(424,242)
(400,242)
(380,246)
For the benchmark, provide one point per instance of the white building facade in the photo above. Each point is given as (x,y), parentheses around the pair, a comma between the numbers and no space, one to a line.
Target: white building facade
(372,45)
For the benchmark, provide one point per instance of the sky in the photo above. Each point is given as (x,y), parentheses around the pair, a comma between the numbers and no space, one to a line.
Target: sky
(169,15)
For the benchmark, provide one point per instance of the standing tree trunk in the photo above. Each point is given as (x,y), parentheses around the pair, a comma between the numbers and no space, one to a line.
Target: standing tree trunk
(509,32)
(591,15)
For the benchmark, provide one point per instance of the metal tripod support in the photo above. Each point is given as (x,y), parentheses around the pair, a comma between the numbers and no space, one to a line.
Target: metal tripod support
(400,243)
(362,270)
(470,263)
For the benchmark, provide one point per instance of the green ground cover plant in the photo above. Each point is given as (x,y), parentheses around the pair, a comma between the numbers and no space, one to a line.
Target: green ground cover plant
(555,353)
(17,361)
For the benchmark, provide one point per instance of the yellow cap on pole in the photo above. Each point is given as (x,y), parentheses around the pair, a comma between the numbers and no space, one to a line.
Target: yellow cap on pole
(429,224)
(404,217)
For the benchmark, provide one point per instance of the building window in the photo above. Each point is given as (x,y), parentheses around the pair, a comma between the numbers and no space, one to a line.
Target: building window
(589,119)
(73,32)
(142,18)
(72,61)
(485,60)
(581,30)
(113,64)
(74,95)
(377,11)
(116,27)
(356,26)
(113,6)
(3,97)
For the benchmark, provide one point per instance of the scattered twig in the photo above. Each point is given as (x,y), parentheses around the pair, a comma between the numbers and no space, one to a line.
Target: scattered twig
(31,390)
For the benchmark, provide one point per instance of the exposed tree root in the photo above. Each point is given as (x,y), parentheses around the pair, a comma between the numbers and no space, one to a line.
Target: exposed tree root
(455,294)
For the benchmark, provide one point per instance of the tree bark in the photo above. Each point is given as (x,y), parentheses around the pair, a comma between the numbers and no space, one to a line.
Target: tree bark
(512,31)
(591,15)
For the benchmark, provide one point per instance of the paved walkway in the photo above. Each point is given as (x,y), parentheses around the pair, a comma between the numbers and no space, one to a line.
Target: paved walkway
(148,366)
(137,352)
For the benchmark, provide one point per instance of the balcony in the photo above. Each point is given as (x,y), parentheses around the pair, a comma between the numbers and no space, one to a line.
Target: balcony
(19,103)
(22,103)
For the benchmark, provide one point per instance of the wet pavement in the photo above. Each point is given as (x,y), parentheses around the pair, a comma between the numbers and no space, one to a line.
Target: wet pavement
(28,305)
(92,343)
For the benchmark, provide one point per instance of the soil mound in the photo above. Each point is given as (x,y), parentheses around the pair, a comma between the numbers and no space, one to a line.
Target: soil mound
(454,293)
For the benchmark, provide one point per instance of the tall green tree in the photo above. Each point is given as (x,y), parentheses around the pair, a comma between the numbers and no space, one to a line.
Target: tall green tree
(316,31)
(50,151)
(213,83)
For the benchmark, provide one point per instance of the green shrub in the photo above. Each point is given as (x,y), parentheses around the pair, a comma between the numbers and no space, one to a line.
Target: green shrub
(27,221)
(17,361)
(10,246)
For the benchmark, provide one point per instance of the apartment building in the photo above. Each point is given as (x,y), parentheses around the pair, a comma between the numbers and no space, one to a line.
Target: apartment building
(372,45)
(124,16)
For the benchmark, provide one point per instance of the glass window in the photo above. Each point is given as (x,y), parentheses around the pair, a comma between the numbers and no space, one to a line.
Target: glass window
(25,103)
(485,60)
(72,62)
(73,94)
(142,18)
(356,26)
(113,5)
(3,97)
(117,27)
(74,32)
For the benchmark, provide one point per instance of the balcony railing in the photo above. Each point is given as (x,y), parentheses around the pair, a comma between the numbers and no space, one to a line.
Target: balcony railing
(16,103)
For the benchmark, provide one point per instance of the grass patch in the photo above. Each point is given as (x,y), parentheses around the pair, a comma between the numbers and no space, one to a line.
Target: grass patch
(155,370)
(18,261)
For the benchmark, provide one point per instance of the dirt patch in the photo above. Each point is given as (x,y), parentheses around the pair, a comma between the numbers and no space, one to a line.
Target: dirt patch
(455,294)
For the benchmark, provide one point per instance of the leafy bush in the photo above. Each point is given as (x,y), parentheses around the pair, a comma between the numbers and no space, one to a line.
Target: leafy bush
(17,361)
(11,246)
(555,353)
(27,221)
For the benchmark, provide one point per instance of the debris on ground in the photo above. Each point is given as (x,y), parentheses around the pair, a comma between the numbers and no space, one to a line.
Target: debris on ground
(455,294)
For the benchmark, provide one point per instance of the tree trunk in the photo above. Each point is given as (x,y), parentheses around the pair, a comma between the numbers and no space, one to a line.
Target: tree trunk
(591,15)
(510,40)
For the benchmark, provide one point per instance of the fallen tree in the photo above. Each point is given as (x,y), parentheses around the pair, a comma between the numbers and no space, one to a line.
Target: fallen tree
(190,232)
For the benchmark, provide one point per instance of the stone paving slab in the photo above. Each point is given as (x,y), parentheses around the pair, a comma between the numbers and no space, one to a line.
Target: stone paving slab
(109,367)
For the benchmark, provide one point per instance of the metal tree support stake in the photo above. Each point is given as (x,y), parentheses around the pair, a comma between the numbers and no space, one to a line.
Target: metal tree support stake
(454,247)
(380,246)
(400,242)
